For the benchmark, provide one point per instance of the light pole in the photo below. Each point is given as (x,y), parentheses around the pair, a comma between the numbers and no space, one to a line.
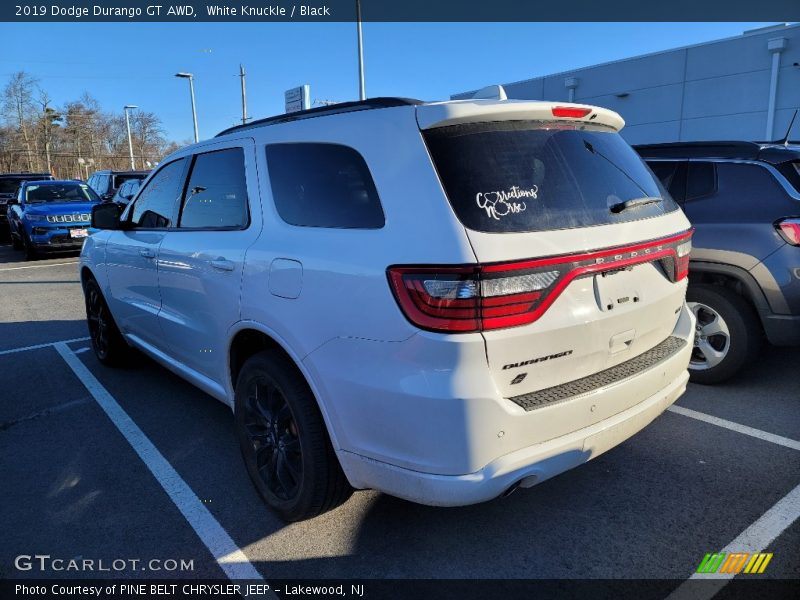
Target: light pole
(190,77)
(126,108)
(362,94)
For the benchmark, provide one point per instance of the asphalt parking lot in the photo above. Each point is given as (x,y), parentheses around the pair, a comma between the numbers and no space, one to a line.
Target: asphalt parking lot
(75,486)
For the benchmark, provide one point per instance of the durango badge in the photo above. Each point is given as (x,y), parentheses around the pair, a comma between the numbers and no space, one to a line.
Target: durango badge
(537,360)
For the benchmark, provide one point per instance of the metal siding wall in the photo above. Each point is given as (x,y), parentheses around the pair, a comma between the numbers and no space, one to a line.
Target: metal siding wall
(718,90)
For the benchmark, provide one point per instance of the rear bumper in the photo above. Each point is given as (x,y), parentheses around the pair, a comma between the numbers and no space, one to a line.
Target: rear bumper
(423,420)
(782,330)
(528,466)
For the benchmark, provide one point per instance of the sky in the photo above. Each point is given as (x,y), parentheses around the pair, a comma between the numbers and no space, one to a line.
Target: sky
(135,63)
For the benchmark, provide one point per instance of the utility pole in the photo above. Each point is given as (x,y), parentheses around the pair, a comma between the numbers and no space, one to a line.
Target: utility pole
(362,94)
(242,76)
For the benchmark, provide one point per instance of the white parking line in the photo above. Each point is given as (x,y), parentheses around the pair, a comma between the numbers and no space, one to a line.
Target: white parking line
(755,538)
(752,432)
(44,345)
(228,555)
(74,262)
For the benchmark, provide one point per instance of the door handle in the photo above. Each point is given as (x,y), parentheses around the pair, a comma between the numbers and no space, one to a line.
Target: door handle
(147,253)
(222,264)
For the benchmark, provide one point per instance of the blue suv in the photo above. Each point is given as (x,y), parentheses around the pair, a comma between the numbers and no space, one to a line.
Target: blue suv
(51,216)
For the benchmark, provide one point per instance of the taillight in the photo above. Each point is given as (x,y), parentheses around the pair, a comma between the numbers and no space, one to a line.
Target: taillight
(789,230)
(682,252)
(500,295)
(570,112)
(440,299)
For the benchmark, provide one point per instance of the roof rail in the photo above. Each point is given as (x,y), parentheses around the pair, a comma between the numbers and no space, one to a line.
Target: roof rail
(321,111)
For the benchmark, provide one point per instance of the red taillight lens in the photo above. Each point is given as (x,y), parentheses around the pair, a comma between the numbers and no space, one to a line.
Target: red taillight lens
(682,251)
(789,230)
(441,299)
(571,112)
(495,296)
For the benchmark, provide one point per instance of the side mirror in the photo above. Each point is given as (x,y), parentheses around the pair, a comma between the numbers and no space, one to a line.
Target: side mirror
(106,216)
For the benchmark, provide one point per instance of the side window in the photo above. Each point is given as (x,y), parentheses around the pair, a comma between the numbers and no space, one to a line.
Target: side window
(701,181)
(216,196)
(672,174)
(155,206)
(323,185)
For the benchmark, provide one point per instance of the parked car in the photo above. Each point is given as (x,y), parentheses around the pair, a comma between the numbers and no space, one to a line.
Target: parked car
(441,301)
(126,191)
(744,274)
(107,182)
(51,215)
(9,186)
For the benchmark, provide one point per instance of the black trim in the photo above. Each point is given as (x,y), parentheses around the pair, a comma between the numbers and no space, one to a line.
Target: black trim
(769,152)
(333,109)
(613,375)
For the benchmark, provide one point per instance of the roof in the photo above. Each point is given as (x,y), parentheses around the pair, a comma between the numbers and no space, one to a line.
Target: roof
(321,111)
(772,152)
(128,172)
(28,175)
(448,112)
(52,182)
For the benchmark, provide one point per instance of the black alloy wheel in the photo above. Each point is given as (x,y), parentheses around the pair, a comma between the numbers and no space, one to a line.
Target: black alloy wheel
(109,346)
(274,443)
(284,440)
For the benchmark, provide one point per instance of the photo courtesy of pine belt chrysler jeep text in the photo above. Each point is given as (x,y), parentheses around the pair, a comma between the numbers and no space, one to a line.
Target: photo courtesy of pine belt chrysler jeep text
(443,301)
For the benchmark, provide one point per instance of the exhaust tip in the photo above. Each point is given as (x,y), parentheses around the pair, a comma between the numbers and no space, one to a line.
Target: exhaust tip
(510,490)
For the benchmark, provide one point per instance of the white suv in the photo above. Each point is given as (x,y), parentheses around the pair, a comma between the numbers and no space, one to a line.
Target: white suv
(442,301)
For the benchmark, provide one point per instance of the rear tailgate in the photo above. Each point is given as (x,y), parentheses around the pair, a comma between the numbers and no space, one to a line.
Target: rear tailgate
(572,229)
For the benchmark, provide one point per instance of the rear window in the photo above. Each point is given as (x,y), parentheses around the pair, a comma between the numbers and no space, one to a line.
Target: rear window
(520,176)
(120,179)
(791,170)
(9,186)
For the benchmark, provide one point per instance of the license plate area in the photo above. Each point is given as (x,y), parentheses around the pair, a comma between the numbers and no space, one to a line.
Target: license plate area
(78,233)
(617,289)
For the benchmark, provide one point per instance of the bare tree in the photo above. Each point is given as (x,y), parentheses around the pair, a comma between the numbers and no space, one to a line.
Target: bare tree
(71,139)
(48,122)
(147,132)
(18,105)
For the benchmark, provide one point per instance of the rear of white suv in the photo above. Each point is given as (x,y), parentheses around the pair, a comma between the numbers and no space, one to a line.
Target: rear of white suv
(441,301)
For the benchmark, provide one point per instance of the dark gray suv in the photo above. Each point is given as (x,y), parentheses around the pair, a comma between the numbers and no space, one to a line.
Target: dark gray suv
(744,276)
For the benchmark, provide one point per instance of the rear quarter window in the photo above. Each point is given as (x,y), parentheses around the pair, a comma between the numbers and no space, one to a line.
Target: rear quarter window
(323,185)
(523,176)
(701,180)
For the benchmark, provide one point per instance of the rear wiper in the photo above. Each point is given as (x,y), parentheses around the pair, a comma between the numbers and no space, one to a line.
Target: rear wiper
(620,206)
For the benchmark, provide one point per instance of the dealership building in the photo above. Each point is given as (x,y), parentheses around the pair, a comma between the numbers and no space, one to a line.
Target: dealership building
(744,87)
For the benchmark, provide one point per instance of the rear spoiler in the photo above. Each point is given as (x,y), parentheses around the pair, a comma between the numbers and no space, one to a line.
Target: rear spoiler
(454,112)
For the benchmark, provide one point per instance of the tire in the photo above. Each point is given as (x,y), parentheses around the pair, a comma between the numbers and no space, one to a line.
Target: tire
(108,345)
(283,439)
(16,243)
(30,249)
(728,333)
